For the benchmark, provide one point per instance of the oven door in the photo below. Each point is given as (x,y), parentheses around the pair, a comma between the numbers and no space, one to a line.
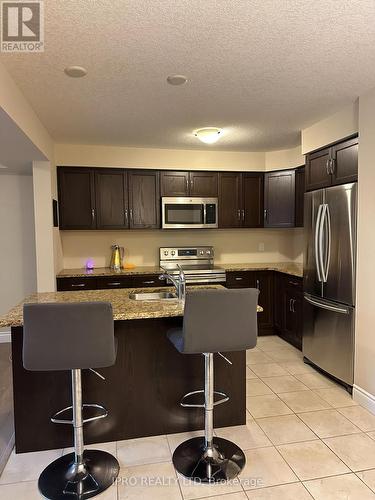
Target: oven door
(188,213)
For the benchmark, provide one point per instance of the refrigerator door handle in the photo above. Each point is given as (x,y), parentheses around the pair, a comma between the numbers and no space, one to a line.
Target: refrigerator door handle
(317,242)
(327,220)
(329,307)
(324,242)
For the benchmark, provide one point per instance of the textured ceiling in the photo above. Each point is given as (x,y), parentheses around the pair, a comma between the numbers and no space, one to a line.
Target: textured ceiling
(261,69)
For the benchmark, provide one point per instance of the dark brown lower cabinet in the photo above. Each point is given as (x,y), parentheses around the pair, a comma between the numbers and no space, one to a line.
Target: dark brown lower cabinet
(263,280)
(288,300)
(281,298)
(109,282)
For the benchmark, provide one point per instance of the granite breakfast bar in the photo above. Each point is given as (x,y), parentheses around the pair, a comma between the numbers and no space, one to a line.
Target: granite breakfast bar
(141,391)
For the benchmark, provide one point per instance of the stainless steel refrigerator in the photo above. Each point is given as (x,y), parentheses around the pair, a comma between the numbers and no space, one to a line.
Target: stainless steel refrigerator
(329,280)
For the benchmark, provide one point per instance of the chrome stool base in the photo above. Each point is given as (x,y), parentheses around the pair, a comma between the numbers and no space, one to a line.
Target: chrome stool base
(100,470)
(192,461)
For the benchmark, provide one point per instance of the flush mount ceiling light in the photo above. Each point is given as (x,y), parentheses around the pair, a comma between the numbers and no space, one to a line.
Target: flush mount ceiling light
(75,71)
(176,79)
(208,135)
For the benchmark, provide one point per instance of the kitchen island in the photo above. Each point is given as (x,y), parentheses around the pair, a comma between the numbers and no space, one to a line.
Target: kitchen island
(141,391)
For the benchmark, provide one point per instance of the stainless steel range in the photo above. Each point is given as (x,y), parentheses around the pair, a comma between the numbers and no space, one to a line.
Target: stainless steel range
(196,262)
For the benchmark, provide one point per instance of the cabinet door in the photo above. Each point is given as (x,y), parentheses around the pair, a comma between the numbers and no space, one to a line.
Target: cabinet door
(264,283)
(174,183)
(298,319)
(345,162)
(279,198)
(76,284)
(300,195)
(76,198)
(203,184)
(147,280)
(252,199)
(317,169)
(144,199)
(111,199)
(113,282)
(240,279)
(230,199)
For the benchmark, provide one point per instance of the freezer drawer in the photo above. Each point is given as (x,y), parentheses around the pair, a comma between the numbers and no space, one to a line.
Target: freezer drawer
(328,337)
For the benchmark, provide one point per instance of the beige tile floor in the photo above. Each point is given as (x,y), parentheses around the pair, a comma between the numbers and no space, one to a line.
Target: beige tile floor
(305,438)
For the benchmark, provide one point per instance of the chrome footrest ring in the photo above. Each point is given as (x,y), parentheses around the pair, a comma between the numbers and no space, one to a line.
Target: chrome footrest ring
(56,420)
(224,399)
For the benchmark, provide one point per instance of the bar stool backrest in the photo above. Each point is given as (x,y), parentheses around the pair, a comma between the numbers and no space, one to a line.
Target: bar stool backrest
(220,320)
(68,336)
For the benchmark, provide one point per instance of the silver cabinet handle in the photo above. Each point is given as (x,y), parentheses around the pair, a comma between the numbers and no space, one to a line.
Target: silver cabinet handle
(243,214)
(151,282)
(126,217)
(293,302)
(238,279)
(258,284)
(187,185)
(265,214)
(78,285)
(239,214)
(290,305)
(294,283)
(93,214)
(131,215)
(114,283)
(328,163)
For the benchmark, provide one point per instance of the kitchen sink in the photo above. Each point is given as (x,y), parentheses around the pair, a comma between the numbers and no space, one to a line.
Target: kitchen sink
(153,296)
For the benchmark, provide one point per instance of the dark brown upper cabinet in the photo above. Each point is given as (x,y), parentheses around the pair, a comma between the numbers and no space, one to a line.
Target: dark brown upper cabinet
(174,183)
(252,199)
(345,162)
(203,184)
(279,198)
(76,198)
(300,196)
(241,199)
(180,183)
(332,165)
(230,199)
(111,192)
(144,199)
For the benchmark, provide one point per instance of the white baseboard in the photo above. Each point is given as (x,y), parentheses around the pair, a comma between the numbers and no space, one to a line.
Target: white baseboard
(5,337)
(364,398)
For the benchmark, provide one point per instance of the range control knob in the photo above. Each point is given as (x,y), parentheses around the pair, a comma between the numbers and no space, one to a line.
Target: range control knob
(201,252)
(165,252)
(208,252)
(173,253)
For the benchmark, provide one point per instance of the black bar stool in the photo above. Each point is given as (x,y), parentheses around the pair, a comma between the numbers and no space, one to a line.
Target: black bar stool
(72,337)
(214,321)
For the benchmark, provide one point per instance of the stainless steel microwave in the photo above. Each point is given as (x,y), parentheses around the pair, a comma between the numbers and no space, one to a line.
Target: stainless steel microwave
(189,212)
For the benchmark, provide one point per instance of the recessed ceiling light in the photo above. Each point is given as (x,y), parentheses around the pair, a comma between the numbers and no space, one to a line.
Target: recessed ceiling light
(3,166)
(176,79)
(75,71)
(208,135)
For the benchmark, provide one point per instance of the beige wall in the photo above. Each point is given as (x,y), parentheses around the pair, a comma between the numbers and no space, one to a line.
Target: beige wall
(365,337)
(44,236)
(142,247)
(286,158)
(17,248)
(331,129)
(114,156)
(17,107)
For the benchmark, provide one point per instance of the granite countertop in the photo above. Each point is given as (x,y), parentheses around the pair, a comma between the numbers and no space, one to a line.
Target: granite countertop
(124,308)
(292,268)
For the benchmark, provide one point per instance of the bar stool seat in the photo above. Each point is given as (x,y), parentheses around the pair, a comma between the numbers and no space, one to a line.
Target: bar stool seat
(73,336)
(214,321)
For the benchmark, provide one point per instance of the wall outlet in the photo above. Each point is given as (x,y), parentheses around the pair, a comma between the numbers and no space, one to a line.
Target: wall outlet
(261,247)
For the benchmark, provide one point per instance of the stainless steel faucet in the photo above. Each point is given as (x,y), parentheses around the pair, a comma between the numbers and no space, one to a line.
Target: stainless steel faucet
(178,282)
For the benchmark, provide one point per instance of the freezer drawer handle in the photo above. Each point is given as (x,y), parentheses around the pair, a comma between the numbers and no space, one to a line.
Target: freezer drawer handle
(322,305)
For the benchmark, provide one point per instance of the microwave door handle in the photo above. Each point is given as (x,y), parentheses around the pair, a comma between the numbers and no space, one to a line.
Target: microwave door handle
(204,214)
(317,246)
